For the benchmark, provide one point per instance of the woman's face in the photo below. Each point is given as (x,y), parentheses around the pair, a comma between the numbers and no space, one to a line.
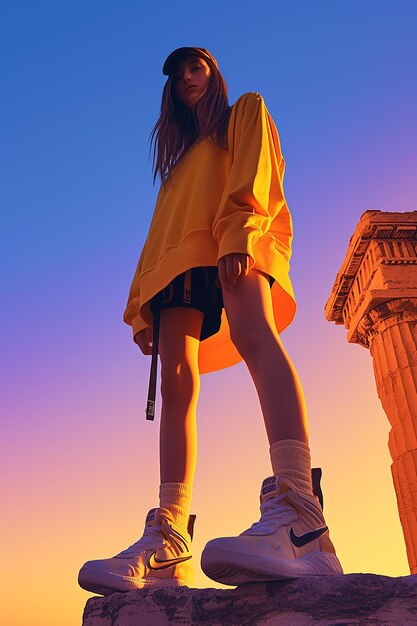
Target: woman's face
(191,79)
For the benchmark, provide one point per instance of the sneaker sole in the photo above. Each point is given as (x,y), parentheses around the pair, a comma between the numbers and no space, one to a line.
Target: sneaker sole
(102,583)
(232,568)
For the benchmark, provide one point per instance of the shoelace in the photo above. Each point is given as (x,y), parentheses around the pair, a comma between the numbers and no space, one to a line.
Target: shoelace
(146,542)
(272,512)
(163,534)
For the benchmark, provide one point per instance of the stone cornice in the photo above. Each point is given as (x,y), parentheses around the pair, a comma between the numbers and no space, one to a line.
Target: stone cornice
(373,227)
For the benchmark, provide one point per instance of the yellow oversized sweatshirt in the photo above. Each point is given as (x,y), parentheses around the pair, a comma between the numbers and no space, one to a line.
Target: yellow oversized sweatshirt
(218,202)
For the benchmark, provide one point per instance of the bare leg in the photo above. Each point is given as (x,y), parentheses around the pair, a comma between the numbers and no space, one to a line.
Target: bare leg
(249,312)
(179,341)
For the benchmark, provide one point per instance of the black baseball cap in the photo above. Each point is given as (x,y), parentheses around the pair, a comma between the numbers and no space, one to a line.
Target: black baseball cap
(172,59)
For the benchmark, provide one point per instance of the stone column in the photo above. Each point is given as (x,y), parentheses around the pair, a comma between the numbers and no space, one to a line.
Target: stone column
(375,297)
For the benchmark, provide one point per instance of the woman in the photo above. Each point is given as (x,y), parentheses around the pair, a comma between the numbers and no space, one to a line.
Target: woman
(212,287)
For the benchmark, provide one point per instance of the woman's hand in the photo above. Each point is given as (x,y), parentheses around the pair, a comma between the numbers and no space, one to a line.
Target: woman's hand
(231,267)
(144,339)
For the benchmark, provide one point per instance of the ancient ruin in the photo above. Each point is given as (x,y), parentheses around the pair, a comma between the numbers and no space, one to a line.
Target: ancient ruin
(375,297)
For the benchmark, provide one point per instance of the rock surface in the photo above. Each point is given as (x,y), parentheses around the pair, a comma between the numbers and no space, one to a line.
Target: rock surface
(352,599)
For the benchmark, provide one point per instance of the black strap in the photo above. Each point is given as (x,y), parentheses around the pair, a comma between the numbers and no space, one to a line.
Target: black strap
(150,405)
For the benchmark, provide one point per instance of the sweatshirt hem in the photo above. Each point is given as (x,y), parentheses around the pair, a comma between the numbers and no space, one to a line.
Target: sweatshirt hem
(201,250)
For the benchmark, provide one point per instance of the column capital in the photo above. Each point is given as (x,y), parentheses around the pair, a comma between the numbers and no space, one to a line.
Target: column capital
(385,315)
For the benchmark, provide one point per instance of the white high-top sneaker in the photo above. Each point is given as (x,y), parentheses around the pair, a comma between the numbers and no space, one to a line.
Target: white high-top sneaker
(160,558)
(291,539)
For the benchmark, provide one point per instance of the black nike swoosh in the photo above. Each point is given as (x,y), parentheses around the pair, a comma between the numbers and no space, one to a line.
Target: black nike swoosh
(302,540)
(155,565)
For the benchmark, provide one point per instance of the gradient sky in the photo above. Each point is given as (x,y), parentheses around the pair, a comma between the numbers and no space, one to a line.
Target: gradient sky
(81,85)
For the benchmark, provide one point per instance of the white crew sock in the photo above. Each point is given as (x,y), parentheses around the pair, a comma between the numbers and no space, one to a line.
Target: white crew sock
(176,497)
(291,459)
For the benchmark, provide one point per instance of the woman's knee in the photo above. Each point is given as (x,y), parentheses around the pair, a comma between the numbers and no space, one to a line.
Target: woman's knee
(249,335)
(180,386)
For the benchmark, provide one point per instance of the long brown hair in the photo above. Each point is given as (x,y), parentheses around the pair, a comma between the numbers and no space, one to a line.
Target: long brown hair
(179,127)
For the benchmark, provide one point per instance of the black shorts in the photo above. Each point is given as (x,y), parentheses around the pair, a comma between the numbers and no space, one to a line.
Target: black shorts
(197,288)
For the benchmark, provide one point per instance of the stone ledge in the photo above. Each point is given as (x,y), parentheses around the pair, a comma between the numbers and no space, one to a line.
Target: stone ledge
(352,599)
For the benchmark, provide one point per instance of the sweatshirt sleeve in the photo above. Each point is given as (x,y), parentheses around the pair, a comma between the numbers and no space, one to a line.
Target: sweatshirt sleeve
(253,194)
(131,315)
